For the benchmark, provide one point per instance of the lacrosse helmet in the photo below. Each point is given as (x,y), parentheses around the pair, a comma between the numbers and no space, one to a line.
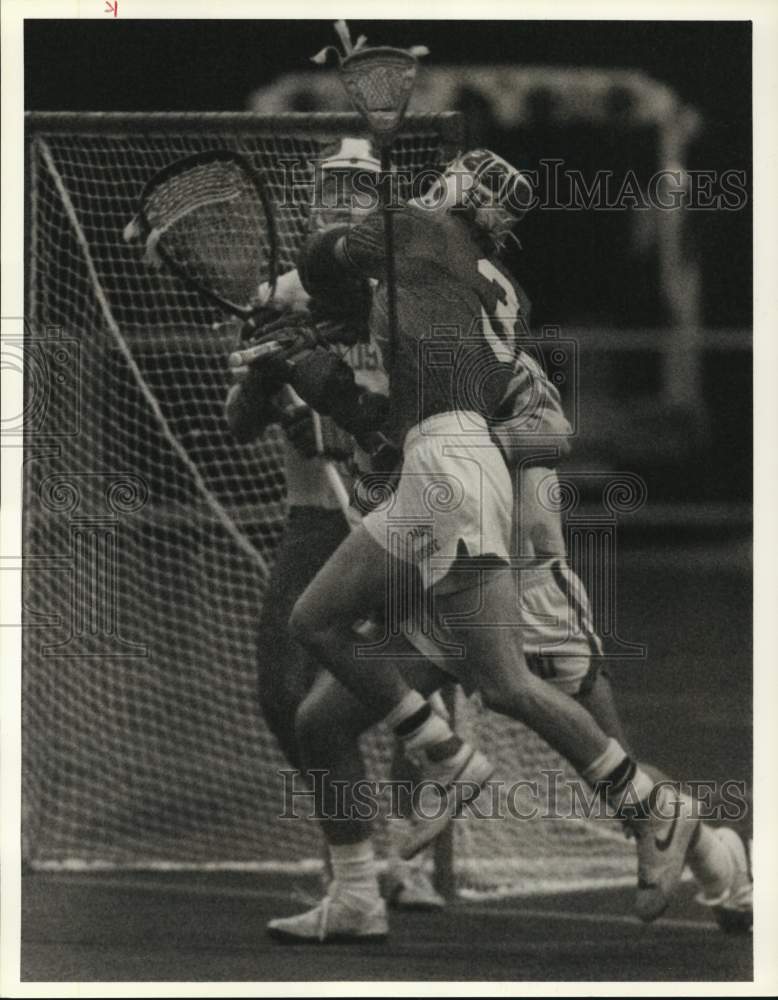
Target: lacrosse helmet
(345,183)
(493,194)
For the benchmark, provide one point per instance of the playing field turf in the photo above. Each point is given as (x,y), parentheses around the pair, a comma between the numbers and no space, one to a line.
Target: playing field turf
(689,706)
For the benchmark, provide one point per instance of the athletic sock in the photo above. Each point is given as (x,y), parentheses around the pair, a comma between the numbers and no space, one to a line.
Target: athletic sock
(711,864)
(354,868)
(419,728)
(624,785)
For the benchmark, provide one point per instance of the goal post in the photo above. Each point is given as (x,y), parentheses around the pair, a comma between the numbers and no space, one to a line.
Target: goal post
(149,535)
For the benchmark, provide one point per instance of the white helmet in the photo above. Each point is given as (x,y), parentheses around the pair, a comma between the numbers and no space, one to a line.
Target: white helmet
(352,154)
(345,183)
(494,194)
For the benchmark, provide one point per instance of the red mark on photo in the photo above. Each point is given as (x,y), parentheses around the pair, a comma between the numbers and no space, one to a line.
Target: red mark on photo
(111,8)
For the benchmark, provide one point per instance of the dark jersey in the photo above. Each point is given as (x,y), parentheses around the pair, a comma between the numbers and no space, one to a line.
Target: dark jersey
(459,314)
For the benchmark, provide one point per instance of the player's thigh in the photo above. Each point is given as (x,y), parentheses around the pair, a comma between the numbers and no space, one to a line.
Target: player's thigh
(310,538)
(484,621)
(351,584)
(411,652)
(285,669)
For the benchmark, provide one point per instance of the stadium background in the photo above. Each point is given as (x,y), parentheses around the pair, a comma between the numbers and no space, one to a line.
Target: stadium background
(574,279)
(684,564)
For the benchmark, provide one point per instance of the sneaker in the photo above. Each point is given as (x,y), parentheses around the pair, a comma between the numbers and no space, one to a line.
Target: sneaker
(734,909)
(663,840)
(445,787)
(340,917)
(408,887)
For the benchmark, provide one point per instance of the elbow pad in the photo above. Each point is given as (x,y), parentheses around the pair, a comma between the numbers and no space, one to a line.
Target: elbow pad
(337,291)
(323,275)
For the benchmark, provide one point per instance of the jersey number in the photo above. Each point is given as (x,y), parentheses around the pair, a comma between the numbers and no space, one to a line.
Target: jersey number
(506,310)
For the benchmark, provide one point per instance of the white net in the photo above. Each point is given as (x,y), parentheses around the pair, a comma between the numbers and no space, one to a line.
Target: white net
(149,533)
(529,835)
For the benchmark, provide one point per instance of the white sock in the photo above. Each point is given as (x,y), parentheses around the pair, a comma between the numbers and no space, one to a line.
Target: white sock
(604,765)
(622,780)
(354,867)
(711,863)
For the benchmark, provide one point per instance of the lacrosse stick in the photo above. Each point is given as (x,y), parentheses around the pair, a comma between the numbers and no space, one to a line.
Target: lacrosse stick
(379,81)
(209,221)
(334,480)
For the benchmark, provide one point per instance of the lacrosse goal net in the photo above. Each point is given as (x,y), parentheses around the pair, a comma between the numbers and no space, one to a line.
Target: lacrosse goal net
(149,534)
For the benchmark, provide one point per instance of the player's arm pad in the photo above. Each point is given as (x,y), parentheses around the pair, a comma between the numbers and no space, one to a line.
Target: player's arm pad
(250,407)
(327,384)
(338,291)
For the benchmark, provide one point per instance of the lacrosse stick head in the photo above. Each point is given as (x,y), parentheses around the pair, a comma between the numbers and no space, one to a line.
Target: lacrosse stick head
(379,82)
(208,220)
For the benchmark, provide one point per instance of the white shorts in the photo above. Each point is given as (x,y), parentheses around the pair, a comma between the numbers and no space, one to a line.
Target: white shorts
(559,637)
(454,499)
(555,627)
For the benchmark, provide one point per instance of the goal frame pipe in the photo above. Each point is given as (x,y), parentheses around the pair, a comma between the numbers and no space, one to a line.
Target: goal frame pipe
(448,124)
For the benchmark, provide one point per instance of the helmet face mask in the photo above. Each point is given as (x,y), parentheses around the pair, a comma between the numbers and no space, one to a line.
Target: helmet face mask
(343,197)
(485,187)
(345,185)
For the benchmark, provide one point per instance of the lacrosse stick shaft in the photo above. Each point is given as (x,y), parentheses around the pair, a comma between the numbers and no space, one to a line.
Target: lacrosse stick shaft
(391,276)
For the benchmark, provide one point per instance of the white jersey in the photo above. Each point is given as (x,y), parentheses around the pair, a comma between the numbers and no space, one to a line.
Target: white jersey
(306,482)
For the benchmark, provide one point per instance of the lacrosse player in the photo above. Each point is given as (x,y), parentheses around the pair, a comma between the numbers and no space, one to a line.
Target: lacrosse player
(319,518)
(449,281)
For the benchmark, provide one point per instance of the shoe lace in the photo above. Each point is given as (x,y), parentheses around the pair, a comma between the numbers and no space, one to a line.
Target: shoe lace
(322,911)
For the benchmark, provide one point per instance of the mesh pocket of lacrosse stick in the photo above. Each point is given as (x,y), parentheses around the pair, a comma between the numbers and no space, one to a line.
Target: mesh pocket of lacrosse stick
(209,220)
(379,82)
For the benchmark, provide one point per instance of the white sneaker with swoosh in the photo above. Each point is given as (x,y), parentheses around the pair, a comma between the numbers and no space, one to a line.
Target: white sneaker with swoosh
(663,840)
